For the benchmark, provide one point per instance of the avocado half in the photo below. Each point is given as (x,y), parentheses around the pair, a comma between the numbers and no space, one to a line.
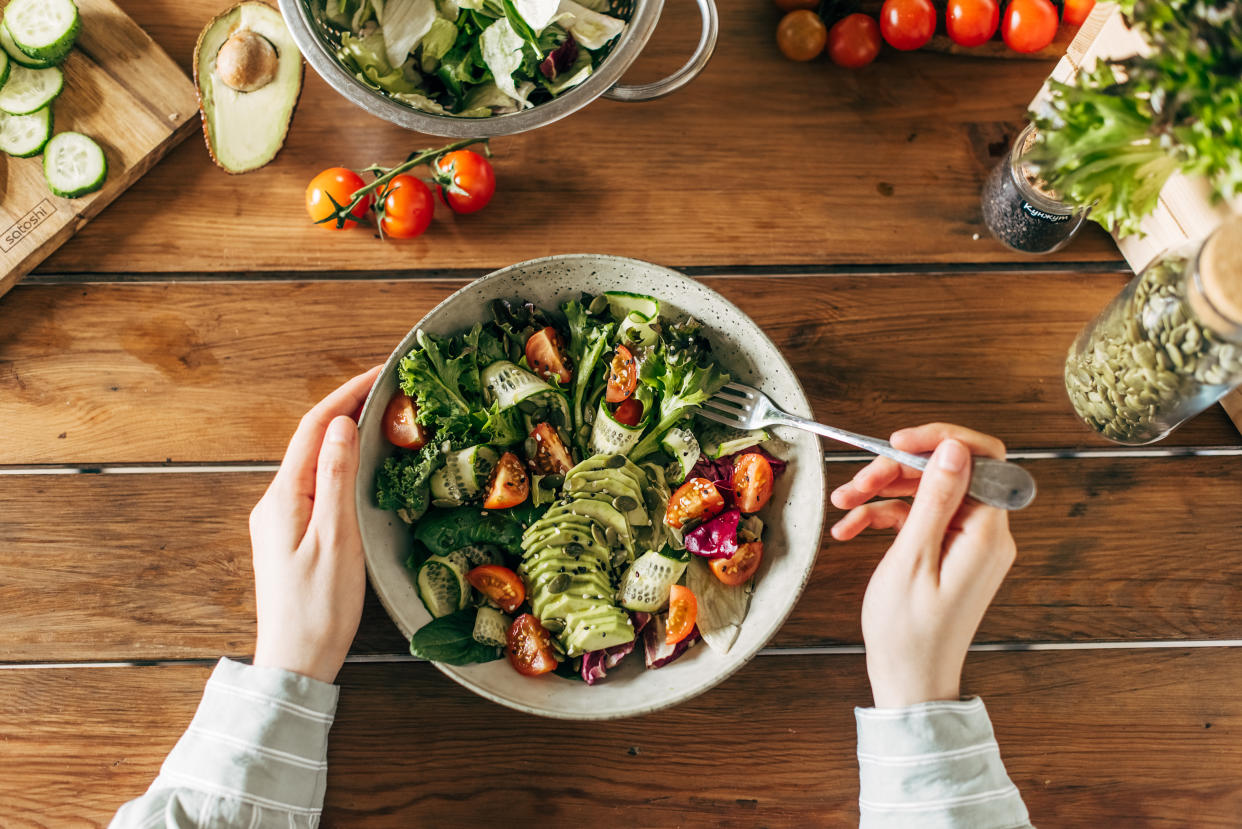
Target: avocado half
(249,75)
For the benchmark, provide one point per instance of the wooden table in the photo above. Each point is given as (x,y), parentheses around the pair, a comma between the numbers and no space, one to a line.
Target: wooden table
(152,370)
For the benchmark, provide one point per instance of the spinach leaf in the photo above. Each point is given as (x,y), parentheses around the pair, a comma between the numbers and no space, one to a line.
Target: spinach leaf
(450,639)
(443,531)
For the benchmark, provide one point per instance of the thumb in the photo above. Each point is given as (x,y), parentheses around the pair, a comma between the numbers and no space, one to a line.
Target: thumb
(939,496)
(335,473)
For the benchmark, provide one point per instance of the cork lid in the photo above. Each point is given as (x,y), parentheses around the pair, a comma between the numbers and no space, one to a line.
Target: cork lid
(1220,269)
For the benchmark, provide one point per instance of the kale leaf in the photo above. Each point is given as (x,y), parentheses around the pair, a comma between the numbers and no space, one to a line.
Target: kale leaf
(401,483)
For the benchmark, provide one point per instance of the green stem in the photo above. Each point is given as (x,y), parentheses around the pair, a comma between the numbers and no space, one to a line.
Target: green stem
(359,195)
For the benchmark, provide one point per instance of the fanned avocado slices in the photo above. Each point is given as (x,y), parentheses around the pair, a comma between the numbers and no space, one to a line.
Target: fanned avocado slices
(249,75)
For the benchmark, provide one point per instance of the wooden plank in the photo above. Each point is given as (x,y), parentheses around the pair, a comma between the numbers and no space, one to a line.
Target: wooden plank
(157,566)
(124,91)
(807,164)
(140,373)
(1091,738)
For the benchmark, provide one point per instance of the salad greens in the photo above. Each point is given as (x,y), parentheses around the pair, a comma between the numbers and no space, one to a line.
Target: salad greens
(450,639)
(469,58)
(1110,139)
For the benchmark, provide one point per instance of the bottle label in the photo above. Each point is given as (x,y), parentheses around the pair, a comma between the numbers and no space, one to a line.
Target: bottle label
(1054,218)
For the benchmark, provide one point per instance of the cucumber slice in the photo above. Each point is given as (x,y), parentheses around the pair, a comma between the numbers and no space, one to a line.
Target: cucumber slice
(508,384)
(442,586)
(647,582)
(720,440)
(73,164)
(636,331)
(623,303)
(682,445)
(43,29)
(6,66)
(463,475)
(491,627)
(23,136)
(30,90)
(17,55)
(608,437)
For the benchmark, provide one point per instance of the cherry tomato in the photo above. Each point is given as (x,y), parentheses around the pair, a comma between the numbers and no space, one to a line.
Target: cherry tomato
(1029,25)
(971,22)
(529,647)
(1076,11)
(466,180)
(907,24)
(543,354)
(500,584)
(801,35)
(794,5)
(752,481)
(683,612)
(695,500)
(399,423)
(622,375)
(407,208)
(509,485)
(629,412)
(739,567)
(340,184)
(854,41)
(551,457)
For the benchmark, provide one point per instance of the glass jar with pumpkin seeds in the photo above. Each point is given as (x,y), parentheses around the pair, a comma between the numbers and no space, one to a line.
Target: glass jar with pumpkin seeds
(1167,347)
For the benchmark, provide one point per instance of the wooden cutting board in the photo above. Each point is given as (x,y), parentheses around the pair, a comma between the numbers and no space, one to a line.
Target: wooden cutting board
(125,92)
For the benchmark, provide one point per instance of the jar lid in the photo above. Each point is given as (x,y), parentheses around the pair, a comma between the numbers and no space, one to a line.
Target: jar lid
(1220,270)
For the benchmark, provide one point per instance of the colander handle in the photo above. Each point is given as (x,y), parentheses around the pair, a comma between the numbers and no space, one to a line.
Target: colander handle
(688,72)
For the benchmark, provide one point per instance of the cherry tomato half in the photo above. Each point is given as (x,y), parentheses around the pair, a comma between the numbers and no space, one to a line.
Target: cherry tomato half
(340,184)
(509,485)
(467,181)
(907,24)
(739,567)
(695,500)
(683,612)
(543,354)
(1029,25)
(629,412)
(752,481)
(622,376)
(551,457)
(500,584)
(801,35)
(400,423)
(407,208)
(854,41)
(971,22)
(1076,12)
(529,647)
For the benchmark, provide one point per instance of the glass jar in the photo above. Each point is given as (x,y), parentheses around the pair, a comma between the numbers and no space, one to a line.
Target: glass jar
(1019,213)
(1167,347)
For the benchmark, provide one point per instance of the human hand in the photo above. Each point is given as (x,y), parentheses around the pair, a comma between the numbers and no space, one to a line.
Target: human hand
(931,589)
(309,576)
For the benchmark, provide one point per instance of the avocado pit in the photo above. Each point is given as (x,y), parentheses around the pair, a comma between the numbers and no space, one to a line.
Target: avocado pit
(247,61)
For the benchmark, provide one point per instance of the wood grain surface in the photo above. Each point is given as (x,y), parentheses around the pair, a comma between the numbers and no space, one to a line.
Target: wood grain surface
(214,372)
(157,566)
(122,89)
(1150,739)
(760,161)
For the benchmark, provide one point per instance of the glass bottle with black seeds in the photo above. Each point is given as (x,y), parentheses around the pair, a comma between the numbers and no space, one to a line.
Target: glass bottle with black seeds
(1167,347)
(1019,211)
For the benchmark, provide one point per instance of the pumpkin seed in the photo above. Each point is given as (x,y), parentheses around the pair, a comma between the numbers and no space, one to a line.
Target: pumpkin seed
(598,305)
(573,548)
(614,462)
(527,406)
(553,481)
(554,625)
(531,446)
(624,503)
(597,533)
(559,583)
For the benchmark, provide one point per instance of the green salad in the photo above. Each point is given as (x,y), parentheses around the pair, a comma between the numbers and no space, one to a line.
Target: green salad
(566,502)
(469,58)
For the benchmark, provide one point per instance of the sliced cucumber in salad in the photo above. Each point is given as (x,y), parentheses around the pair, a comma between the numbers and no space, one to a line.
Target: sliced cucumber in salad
(623,303)
(463,475)
(646,584)
(43,29)
(442,584)
(23,136)
(681,443)
(30,90)
(73,165)
(491,627)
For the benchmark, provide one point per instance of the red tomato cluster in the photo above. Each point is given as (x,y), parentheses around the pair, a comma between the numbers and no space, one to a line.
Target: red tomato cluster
(854,40)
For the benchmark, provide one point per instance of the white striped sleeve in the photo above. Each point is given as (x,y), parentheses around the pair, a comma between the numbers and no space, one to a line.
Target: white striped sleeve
(255,756)
(934,766)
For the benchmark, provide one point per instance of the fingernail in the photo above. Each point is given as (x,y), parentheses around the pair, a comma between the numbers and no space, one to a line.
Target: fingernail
(952,456)
(339,430)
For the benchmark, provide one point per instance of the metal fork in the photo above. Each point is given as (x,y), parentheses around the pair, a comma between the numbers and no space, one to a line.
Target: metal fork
(995,483)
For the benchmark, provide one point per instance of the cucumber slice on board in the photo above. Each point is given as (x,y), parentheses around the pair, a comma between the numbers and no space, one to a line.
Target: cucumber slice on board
(6,66)
(17,55)
(30,90)
(43,29)
(73,164)
(23,136)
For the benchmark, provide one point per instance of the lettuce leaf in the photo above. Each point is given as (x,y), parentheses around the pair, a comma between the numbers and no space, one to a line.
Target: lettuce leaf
(404,23)
(502,50)
(590,28)
(537,13)
(437,43)
(365,54)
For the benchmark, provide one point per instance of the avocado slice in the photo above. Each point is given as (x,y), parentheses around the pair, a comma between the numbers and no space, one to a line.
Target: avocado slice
(248,72)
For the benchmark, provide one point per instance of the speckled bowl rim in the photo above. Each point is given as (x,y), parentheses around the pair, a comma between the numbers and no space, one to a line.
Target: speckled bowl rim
(376,402)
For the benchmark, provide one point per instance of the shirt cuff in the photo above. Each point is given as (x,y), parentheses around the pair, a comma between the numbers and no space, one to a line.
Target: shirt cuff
(935,764)
(260,736)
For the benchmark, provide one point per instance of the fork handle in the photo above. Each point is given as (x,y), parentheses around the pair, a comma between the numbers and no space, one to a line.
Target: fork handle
(996,483)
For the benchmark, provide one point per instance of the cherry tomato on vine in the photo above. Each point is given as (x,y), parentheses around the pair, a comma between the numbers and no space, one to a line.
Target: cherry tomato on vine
(907,24)
(971,22)
(340,184)
(1029,25)
(1076,11)
(854,41)
(407,208)
(801,35)
(466,180)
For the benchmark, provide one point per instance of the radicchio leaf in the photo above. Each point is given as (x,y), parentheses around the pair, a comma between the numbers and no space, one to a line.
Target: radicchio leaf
(716,538)
(720,470)
(597,664)
(559,59)
(659,653)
